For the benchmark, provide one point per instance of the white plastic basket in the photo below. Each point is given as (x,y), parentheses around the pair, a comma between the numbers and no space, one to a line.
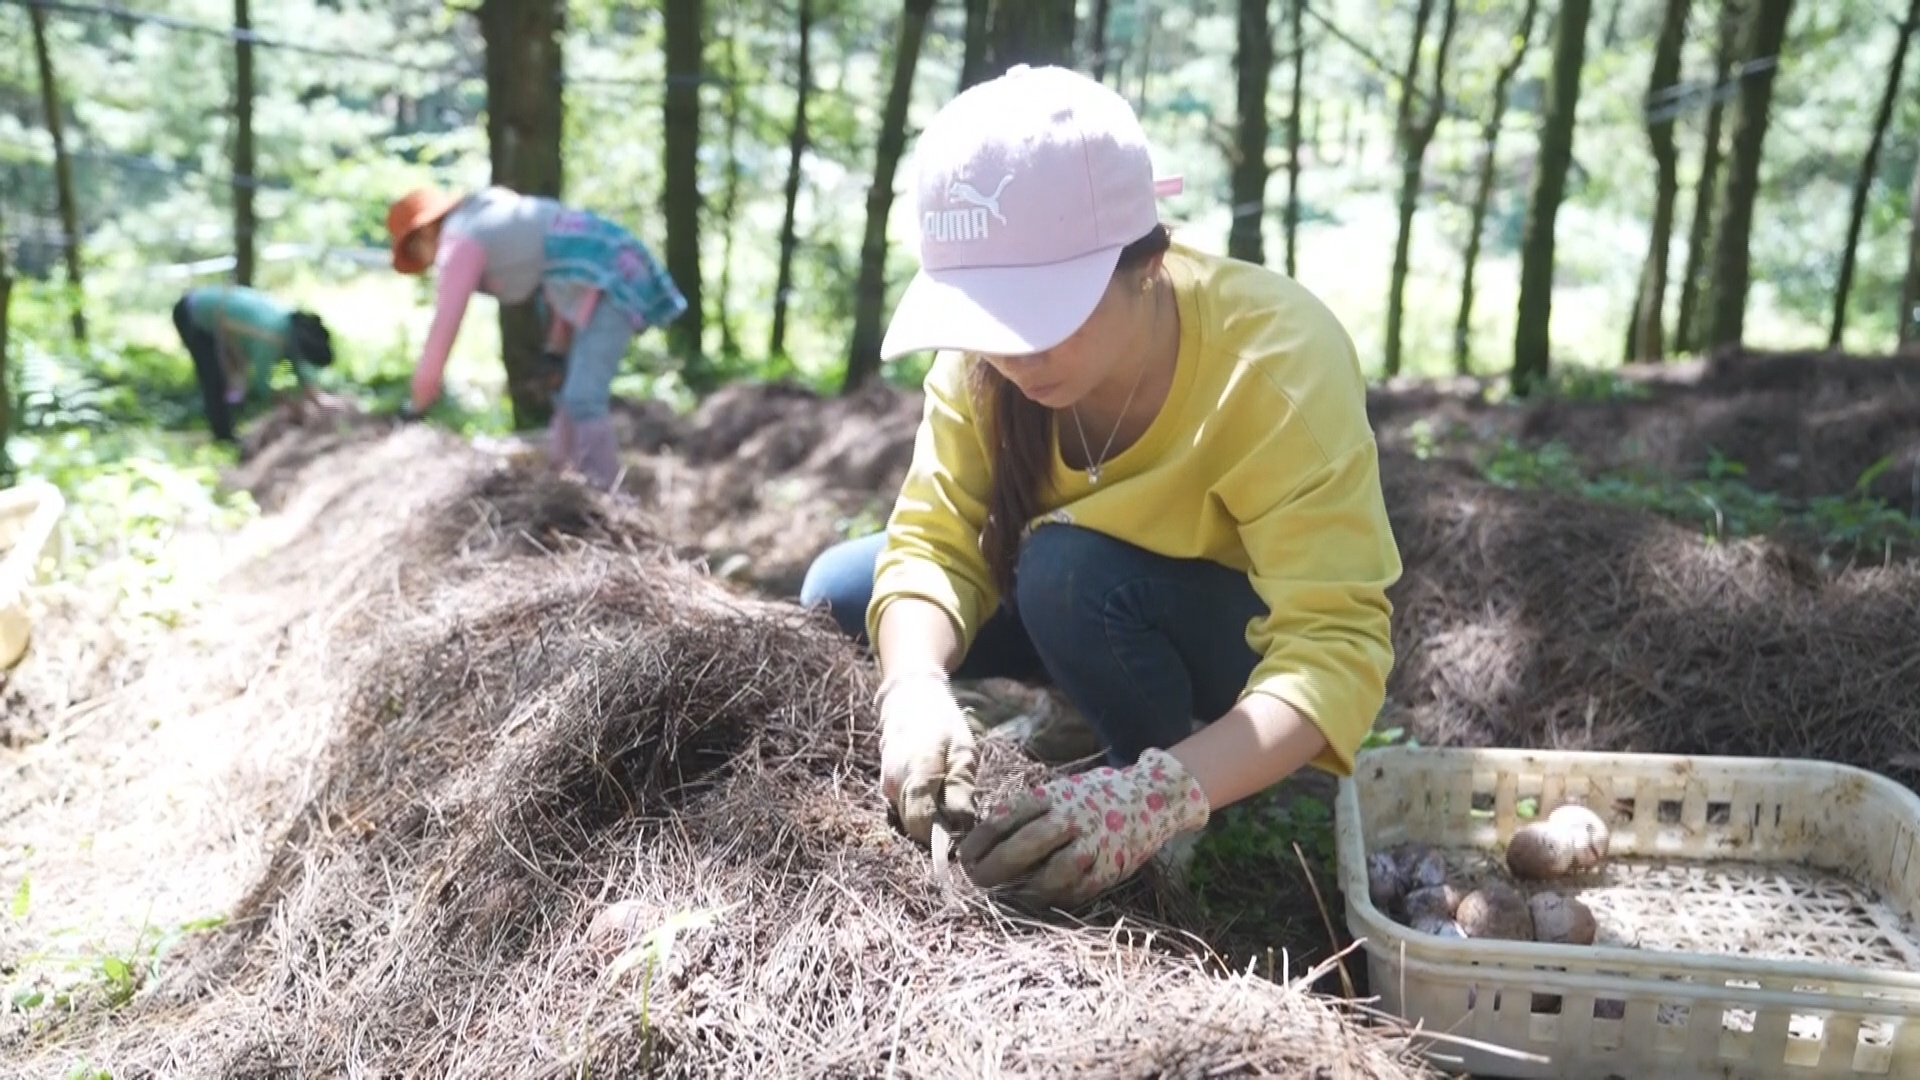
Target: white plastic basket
(29,514)
(1712,846)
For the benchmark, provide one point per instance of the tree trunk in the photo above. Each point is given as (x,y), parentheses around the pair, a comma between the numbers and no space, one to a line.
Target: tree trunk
(1149,20)
(1863,184)
(525,115)
(1297,39)
(6,383)
(1097,42)
(1686,323)
(243,182)
(1253,67)
(1649,308)
(1416,134)
(870,295)
(685,43)
(730,194)
(1765,31)
(1532,340)
(973,59)
(1483,186)
(1036,32)
(62,167)
(796,158)
(1910,291)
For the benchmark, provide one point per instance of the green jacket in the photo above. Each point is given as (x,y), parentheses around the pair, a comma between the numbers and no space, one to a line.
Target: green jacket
(253,332)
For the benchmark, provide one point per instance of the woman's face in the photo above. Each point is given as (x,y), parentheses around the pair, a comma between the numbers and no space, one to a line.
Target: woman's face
(423,243)
(1068,372)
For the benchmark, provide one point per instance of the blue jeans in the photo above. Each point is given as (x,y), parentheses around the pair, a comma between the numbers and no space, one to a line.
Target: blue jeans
(1140,643)
(593,360)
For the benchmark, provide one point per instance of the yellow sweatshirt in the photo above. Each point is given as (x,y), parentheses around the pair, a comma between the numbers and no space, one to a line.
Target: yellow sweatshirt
(1261,459)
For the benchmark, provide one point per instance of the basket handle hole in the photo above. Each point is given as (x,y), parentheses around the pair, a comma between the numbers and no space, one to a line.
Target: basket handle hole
(1546,1005)
(1609,1009)
(1719,813)
(1669,811)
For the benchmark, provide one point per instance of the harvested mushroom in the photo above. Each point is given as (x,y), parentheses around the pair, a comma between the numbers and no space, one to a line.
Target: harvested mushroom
(1540,851)
(1439,928)
(1561,919)
(1386,882)
(1422,866)
(1587,834)
(1433,902)
(1495,911)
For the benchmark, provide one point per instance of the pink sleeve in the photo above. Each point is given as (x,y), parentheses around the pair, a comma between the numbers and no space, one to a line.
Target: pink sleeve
(460,266)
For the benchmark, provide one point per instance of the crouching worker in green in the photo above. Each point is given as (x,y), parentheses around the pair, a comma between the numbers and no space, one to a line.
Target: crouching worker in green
(236,337)
(1144,475)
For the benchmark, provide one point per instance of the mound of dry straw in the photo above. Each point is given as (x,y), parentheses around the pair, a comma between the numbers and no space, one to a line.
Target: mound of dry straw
(1536,620)
(590,813)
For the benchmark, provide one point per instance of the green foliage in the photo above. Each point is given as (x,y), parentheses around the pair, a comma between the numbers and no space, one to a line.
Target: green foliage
(1262,831)
(130,492)
(1719,502)
(64,981)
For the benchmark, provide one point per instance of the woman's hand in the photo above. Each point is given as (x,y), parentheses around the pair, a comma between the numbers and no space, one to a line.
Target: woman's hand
(1068,840)
(926,753)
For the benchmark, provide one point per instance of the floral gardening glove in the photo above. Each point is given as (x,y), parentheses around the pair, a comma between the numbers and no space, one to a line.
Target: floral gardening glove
(1068,840)
(926,754)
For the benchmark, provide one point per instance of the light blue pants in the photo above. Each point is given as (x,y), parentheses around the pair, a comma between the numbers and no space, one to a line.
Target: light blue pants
(593,360)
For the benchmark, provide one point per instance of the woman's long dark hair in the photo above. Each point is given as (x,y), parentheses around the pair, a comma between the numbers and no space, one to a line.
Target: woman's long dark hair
(1020,433)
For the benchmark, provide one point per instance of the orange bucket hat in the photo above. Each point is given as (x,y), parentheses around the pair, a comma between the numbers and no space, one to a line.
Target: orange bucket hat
(410,212)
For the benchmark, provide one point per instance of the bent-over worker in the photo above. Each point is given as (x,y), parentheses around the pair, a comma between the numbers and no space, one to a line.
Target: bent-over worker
(1144,474)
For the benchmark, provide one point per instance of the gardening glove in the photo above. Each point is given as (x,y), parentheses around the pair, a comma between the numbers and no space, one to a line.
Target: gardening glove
(1064,842)
(926,754)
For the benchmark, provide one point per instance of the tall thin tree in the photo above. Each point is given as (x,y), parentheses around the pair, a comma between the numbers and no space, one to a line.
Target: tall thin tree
(736,103)
(1033,32)
(1097,39)
(1415,127)
(1863,183)
(1687,325)
(62,166)
(1253,71)
(1483,185)
(686,69)
(870,293)
(1296,40)
(6,361)
(973,56)
(1910,289)
(526,115)
(797,141)
(1646,340)
(243,182)
(1532,337)
(1761,41)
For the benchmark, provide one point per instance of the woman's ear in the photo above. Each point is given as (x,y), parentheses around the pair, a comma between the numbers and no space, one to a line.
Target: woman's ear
(1150,270)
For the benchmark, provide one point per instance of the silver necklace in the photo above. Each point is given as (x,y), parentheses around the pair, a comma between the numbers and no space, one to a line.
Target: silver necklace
(1093,463)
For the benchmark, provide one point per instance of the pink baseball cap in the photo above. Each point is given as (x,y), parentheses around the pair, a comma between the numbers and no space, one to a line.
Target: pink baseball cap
(1028,187)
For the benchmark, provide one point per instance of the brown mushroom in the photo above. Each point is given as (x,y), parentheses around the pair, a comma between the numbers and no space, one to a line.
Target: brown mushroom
(1587,835)
(1433,902)
(1423,867)
(1540,851)
(1440,928)
(1561,919)
(1386,882)
(1495,910)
